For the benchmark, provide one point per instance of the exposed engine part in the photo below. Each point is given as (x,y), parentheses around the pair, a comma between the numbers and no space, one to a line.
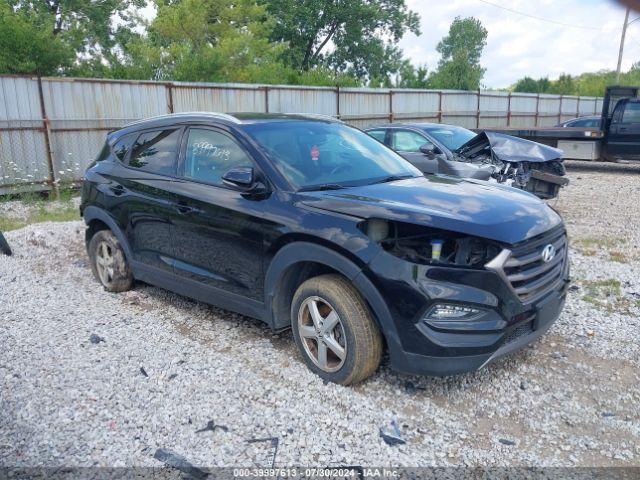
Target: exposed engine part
(425,245)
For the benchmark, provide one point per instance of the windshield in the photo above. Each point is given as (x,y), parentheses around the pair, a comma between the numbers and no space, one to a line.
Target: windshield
(311,154)
(451,137)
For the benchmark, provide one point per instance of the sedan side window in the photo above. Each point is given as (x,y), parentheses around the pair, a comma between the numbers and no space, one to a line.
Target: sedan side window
(209,154)
(378,134)
(155,151)
(407,141)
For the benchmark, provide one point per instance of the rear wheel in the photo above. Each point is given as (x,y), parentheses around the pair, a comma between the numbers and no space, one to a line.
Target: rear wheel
(335,331)
(108,262)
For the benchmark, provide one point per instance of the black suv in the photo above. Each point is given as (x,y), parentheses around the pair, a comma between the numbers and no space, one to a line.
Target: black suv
(306,223)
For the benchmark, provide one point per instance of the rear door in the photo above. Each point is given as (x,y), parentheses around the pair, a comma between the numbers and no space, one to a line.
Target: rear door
(407,143)
(217,231)
(143,183)
(623,139)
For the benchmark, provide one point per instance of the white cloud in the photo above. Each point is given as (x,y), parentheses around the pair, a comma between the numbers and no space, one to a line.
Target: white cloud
(519,45)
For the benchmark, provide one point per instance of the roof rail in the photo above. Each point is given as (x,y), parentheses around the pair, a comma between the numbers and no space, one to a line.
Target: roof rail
(221,116)
(319,116)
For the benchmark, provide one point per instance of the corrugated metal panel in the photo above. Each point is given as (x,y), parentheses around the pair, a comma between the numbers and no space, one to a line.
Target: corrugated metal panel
(214,97)
(74,151)
(318,100)
(493,109)
(23,156)
(590,106)
(460,108)
(368,104)
(416,105)
(75,103)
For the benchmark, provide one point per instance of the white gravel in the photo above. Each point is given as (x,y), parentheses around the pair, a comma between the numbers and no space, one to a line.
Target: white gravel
(573,398)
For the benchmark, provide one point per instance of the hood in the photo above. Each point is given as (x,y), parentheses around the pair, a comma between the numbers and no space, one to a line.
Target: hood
(507,148)
(472,207)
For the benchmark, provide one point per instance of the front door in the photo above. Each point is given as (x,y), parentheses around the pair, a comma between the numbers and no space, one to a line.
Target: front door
(407,143)
(217,232)
(623,139)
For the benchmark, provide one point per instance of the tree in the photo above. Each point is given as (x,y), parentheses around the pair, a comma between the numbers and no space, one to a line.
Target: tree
(207,40)
(355,36)
(529,85)
(84,34)
(461,50)
(28,45)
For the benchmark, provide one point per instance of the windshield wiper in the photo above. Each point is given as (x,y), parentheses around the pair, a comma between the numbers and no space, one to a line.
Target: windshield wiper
(324,186)
(392,178)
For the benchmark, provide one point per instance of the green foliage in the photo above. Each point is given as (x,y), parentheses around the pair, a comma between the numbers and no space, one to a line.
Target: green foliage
(362,33)
(459,67)
(587,84)
(28,45)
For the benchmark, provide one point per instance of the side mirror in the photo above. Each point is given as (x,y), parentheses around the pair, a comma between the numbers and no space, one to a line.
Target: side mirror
(429,149)
(239,177)
(244,179)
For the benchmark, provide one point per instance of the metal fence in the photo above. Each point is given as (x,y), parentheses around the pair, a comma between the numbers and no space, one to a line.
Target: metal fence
(51,128)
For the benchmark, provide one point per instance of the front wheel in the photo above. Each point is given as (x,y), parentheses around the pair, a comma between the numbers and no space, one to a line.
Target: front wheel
(335,331)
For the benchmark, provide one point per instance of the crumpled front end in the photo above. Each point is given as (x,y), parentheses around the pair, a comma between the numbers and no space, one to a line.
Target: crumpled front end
(521,163)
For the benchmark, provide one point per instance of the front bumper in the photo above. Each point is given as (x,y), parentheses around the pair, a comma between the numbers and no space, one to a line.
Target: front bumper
(421,346)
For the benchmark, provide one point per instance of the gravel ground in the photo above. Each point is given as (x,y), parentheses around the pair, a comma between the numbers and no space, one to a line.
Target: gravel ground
(90,378)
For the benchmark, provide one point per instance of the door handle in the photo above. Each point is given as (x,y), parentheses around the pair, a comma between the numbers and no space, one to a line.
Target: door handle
(185,209)
(117,189)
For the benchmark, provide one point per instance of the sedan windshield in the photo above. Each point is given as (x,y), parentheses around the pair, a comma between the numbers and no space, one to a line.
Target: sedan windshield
(328,155)
(451,137)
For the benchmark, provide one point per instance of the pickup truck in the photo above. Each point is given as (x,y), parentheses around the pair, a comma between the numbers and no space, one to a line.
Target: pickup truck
(617,138)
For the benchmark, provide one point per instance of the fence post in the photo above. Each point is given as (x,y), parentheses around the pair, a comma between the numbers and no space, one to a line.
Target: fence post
(47,139)
(390,106)
(560,112)
(509,110)
(169,87)
(478,111)
(537,109)
(266,99)
(440,106)
(338,101)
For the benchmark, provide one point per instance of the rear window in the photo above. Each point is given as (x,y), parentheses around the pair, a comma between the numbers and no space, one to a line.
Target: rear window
(155,151)
(122,146)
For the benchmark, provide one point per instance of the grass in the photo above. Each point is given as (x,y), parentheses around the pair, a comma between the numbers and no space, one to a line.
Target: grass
(607,295)
(40,209)
(592,246)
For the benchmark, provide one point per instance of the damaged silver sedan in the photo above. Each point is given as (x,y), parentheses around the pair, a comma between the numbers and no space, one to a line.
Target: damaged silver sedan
(452,150)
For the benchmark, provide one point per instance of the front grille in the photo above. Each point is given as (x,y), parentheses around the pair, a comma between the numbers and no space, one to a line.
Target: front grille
(519,331)
(529,275)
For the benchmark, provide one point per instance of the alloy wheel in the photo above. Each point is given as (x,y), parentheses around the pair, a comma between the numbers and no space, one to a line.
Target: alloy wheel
(105,263)
(322,334)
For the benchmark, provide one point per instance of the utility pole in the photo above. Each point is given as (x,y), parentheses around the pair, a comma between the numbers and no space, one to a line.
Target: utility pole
(624,33)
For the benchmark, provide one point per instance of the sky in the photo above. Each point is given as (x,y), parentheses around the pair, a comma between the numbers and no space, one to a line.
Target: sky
(518,45)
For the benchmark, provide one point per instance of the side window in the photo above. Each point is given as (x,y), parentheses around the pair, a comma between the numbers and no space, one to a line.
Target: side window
(122,147)
(209,154)
(407,141)
(155,152)
(378,134)
(631,113)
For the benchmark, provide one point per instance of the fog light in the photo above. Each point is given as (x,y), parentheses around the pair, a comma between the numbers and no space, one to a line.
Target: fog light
(445,311)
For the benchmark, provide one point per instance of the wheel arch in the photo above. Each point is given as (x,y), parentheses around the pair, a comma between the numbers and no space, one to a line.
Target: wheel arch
(287,271)
(95,217)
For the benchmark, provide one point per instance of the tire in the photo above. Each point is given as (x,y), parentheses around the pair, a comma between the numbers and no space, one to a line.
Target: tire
(4,245)
(108,262)
(355,331)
